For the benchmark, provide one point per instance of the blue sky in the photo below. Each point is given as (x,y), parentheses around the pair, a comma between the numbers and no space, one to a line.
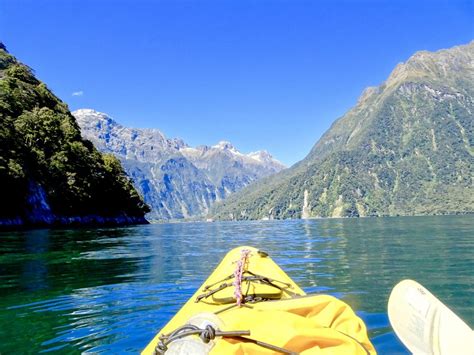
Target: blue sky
(262,74)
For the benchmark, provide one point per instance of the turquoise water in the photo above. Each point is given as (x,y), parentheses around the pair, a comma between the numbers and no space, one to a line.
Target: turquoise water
(110,290)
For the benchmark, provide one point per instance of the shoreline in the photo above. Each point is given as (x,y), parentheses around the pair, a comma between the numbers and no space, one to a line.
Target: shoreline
(18,223)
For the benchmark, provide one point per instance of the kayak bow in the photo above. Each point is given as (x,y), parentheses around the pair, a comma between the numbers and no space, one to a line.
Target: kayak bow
(248,305)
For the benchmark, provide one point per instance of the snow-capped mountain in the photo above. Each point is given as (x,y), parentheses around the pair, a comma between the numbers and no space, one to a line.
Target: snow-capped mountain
(176,180)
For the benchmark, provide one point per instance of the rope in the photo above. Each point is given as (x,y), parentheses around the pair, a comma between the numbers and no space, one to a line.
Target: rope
(242,264)
(209,333)
(254,277)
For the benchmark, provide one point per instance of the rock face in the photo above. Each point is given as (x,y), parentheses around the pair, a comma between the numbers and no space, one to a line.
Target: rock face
(176,181)
(406,148)
(50,175)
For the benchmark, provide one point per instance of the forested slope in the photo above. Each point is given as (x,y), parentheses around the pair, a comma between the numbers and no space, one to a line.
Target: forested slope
(48,173)
(406,148)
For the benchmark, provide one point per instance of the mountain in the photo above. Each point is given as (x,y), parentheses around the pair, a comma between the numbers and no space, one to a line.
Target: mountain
(176,180)
(50,175)
(406,148)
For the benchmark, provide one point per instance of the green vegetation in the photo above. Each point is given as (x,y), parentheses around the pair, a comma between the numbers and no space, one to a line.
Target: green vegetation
(406,148)
(41,147)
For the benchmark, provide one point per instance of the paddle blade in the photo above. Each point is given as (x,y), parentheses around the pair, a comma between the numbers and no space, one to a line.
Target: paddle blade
(424,324)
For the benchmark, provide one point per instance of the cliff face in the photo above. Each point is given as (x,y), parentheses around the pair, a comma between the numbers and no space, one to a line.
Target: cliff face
(176,180)
(406,148)
(50,175)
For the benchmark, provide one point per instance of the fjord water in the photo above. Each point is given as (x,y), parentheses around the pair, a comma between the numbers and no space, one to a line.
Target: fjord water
(111,289)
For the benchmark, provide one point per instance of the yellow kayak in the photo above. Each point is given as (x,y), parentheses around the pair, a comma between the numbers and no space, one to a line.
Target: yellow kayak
(248,305)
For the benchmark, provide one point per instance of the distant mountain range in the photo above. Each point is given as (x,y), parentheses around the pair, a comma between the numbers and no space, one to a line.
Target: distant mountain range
(177,181)
(406,148)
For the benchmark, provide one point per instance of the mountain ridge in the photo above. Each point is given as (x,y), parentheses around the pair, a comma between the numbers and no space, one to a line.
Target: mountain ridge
(424,106)
(177,180)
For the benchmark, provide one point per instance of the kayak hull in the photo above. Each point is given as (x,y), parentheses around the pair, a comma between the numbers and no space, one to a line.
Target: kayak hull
(277,312)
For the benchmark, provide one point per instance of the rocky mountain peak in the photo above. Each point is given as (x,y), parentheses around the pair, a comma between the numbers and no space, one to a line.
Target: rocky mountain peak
(444,64)
(88,116)
(131,143)
(264,157)
(224,145)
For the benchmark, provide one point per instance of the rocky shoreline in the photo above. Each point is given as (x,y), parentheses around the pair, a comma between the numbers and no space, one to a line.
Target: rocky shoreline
(71,221)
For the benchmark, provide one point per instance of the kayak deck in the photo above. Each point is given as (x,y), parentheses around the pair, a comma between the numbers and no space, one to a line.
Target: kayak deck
(275,311)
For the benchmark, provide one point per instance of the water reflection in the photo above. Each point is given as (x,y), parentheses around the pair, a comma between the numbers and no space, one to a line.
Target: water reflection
(111,289)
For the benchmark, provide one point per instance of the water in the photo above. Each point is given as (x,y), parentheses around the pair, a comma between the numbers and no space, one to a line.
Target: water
(110,290)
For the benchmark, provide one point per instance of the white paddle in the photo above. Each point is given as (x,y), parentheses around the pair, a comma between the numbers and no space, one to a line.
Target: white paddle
(424,324)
